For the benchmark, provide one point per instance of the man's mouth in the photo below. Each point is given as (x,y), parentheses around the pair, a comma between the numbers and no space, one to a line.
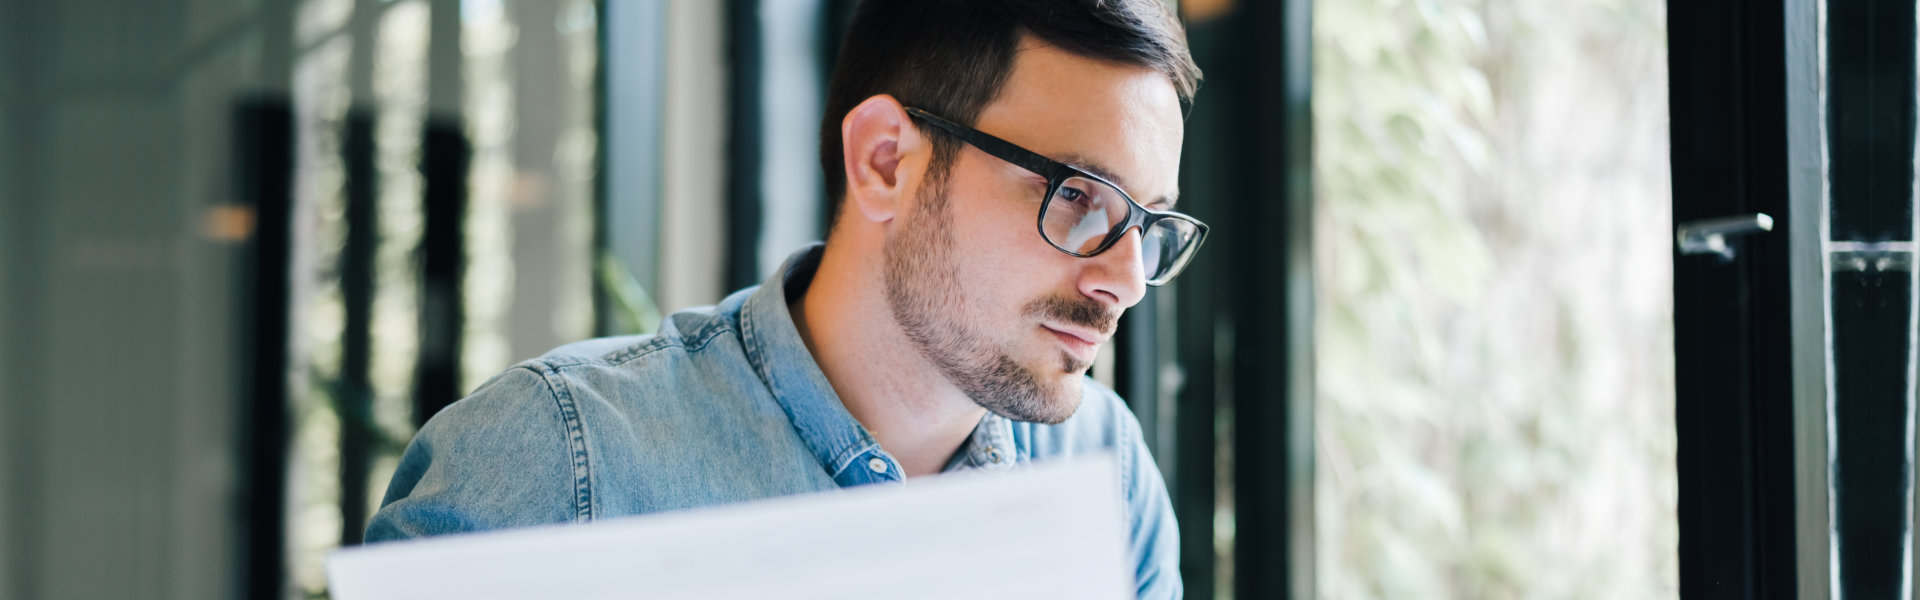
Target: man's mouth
(1080,342)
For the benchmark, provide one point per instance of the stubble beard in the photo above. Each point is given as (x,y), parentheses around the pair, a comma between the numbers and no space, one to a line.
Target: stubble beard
(925,294)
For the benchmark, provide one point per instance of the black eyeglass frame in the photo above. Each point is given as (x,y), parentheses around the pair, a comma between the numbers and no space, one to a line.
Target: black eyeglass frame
(1057,174)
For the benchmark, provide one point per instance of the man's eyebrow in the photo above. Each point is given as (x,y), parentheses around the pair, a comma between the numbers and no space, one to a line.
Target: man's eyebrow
(1082,163)
(1165,202)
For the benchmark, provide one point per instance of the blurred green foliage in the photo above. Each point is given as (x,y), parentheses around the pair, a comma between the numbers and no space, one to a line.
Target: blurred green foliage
(1494,336)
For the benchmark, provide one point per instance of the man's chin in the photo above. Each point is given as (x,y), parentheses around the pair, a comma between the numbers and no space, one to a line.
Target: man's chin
(1062,400)
(1052,411)
(1067,406)
(1042,391)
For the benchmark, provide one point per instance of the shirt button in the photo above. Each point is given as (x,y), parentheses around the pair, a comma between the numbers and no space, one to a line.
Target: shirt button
(878,464)
(993,454)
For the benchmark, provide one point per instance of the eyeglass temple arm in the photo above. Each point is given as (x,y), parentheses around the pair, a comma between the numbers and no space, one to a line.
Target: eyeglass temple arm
(999,148)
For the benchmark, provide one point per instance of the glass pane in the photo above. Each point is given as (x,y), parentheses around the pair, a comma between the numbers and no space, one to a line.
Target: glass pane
(1868,49)
(1495,337)
(529,72)
(320,103)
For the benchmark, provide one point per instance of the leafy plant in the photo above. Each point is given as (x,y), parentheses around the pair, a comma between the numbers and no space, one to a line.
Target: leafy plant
(1494,351)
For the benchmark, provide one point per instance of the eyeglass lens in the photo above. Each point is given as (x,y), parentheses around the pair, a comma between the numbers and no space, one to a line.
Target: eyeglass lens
(1083,212)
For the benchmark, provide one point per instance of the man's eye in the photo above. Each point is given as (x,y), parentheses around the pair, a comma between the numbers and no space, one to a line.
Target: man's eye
(1073,195)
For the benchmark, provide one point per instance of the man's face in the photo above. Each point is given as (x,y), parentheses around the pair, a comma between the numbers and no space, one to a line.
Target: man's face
(1009,319)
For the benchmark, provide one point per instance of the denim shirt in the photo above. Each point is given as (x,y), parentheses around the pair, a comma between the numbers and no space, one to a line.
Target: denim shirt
(724,404)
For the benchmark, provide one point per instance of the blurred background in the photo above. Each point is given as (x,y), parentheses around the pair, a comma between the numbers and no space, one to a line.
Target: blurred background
(248,246)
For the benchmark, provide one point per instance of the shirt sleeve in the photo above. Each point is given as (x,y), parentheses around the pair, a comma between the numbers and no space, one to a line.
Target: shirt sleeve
(1155,534)
(503,457)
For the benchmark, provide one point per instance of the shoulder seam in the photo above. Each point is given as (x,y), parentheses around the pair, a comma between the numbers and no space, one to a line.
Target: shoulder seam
(632,353)
(576,442)
(635,351)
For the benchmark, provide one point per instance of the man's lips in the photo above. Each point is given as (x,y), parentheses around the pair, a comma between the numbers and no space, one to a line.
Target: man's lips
(1079,341)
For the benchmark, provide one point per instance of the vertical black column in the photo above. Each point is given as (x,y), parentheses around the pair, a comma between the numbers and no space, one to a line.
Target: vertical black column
(1870,128)
(744,143)
(1137,372)
(1207,188)
(1192,463)
(1870,422)
(1273,344)
(837,15)
(1246,315)
(263,161)
(604,323)
(445,155)
(1732,321)
(353,393)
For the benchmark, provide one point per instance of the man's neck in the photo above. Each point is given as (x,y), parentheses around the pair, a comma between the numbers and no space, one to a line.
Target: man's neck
(914,412)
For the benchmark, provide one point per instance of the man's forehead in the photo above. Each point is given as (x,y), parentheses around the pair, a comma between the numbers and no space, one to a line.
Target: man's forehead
(1120,122)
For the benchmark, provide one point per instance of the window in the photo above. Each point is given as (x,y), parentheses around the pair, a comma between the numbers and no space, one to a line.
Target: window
(1494,351)
(411,286)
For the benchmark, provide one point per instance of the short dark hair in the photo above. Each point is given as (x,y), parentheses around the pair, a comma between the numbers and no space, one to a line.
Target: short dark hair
(950,57)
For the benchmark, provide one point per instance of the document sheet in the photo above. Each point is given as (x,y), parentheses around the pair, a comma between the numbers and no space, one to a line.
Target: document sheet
(1052,531)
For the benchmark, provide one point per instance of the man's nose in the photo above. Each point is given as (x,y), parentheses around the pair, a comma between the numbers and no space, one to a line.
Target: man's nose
(1116,277)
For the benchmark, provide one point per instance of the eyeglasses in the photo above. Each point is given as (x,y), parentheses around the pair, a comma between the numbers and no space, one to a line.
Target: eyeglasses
(1084,214)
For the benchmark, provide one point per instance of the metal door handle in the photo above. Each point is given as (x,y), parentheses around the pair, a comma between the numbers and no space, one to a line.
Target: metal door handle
(1709,236)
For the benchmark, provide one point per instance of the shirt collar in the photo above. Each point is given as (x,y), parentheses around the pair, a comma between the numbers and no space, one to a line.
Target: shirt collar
(841,444)
(781,358)
(989,448)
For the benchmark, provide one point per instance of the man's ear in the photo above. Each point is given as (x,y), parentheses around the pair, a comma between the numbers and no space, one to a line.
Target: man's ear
(876,138)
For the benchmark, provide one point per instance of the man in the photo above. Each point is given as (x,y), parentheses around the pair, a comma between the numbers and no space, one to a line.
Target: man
(936,330)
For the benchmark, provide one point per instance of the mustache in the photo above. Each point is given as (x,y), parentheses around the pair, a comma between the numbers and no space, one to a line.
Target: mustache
(1084,312)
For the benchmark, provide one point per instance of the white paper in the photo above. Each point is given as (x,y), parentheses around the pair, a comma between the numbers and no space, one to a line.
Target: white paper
(1050,531)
